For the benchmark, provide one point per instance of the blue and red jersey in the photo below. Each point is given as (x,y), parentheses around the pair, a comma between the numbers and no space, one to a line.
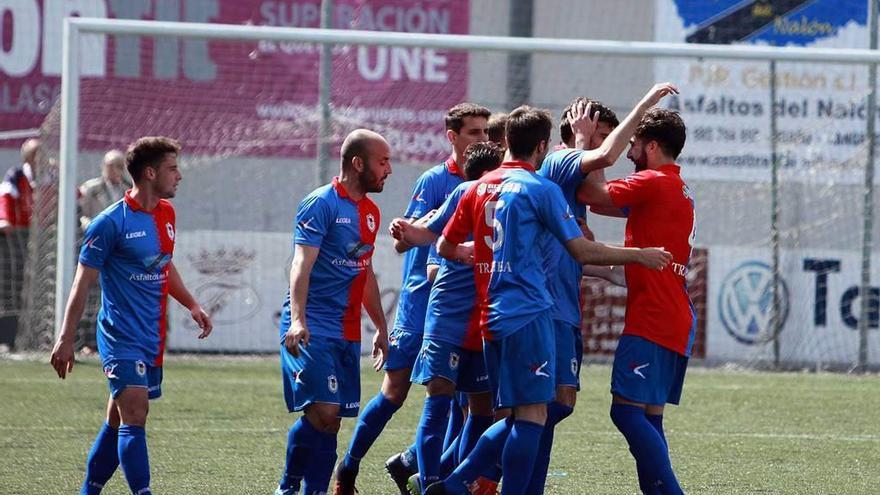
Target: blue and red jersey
(429,192)
(17,196)
(132,249)
(452,314)
(661,214)
(564,273)
(508,211)
(345,232)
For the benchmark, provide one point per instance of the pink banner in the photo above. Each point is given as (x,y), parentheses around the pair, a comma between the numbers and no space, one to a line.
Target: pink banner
(233,97)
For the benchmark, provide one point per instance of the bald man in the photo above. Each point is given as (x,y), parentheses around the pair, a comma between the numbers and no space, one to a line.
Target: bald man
(17,190)
(331,277)
(100,192)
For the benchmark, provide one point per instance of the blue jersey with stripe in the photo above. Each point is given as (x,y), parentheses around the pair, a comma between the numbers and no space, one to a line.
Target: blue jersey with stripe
(563,272)
(429,192)
(451,315)
(508,211)
(344,230)
(132,249)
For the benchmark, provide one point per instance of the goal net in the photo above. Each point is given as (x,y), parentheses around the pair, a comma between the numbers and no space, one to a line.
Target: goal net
(248,113)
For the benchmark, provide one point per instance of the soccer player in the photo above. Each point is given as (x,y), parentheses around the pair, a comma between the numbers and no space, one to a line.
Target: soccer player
(331,277)
(465,124)
(451,357)
(497,122)
(130,245)
(596,144)
(652,354)
(507,211)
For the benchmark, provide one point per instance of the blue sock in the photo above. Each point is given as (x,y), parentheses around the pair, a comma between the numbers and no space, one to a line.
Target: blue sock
(102,462)
(482,458)
(556,412)
(302,439)
(474,427)
(518,457)
(320,466)
(656,421)
(450,458)
(132,449)
(456,420)
(370,424)
(429,437)
(647,447)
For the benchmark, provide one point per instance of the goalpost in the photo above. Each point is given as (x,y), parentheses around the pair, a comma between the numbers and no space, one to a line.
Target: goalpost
(77,31)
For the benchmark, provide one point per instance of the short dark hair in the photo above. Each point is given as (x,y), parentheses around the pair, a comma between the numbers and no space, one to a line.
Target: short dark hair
(148,152)
(526,128)
(664,126)
(605,115)
(481,158)
(497,122)
(456,115)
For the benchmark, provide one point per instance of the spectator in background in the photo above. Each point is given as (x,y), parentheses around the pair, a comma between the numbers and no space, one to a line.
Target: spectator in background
(97,194)
(17,190)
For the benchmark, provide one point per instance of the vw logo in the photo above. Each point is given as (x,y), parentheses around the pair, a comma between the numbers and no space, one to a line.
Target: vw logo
(746,302)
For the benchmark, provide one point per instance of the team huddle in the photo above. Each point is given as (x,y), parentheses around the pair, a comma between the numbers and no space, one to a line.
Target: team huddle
(488,321)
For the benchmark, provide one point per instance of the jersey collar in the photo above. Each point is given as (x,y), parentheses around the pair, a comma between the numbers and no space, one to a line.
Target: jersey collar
(453,169)
(670,168)
(518,164)
(132,203)
(342,192)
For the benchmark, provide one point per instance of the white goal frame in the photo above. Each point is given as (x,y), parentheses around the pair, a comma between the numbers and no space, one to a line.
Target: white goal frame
(74,28)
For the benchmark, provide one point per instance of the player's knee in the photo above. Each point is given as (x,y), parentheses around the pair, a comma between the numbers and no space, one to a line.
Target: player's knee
(533,413)
(395,387)
(440,386)
(324,417)
(480,404)
(567,396)
(134,416)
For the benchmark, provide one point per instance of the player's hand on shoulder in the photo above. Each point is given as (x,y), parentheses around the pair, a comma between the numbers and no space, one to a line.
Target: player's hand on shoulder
(655,258)
(658,92)
(296,335)
(380,349)
(62,357)
(203,320)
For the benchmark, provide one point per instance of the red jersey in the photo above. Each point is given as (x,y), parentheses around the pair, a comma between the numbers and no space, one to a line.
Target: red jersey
(17,196)
(661,214)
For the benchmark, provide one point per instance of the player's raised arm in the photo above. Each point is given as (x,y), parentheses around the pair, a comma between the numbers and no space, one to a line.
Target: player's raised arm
(606,154)
(300,271)
(179,292)
(62,353)
(373,305)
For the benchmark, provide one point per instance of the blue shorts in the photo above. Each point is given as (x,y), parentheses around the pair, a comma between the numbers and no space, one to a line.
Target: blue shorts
(647,373)
(327,371)
(522,366)
(123,373)
(403,347)
(466,369)
(569,353)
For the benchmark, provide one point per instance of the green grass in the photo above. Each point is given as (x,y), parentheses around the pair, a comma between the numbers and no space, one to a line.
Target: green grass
(221,428)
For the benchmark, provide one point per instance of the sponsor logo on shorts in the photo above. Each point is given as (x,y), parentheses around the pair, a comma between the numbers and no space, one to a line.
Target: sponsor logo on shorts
(637,369)
(574,366)
(297,377)
(352,405)
(110,371)
(332,384)
(453,360)
(538,369)
(140,368)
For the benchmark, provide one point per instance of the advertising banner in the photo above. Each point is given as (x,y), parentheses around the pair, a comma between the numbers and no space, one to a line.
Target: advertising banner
(819,306)
(235,97)
(820,108)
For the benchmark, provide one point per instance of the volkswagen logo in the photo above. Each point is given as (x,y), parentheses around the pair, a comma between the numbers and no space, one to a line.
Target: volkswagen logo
(746,303)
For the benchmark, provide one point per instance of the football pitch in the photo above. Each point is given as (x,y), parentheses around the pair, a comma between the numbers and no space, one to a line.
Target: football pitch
(221,428)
